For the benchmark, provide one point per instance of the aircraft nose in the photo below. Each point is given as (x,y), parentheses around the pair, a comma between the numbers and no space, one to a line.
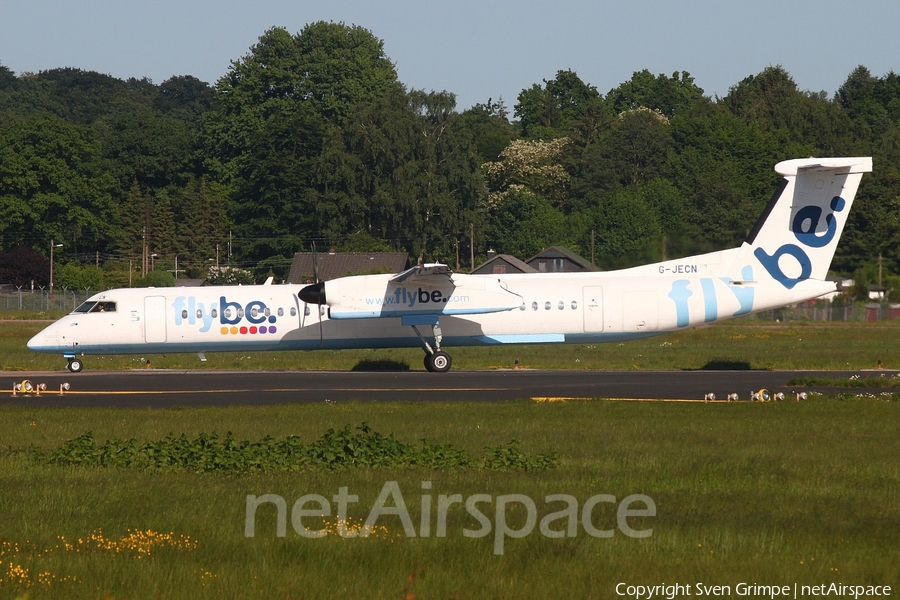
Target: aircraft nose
(46,339)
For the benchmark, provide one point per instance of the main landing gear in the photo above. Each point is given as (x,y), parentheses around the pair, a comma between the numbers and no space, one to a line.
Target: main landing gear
(436,360)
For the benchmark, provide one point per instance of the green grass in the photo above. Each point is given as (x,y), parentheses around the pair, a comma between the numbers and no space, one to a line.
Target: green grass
(772,493)
(836,346)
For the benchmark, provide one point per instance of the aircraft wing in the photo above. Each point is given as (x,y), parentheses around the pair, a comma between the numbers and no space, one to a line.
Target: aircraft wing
(423,273)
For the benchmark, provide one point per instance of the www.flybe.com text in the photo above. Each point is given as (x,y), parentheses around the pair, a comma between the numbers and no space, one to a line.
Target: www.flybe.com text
(410,298)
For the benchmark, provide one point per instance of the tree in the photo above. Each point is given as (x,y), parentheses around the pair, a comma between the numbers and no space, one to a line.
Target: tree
(549,111)
(523,223)
(22,266)
(805,124)
(638,144)
(7,78)
(53,185)
(624,225)
(282,117)
(668,95)
(77,277)
(528,166)
(418,179)
(186,98)
(490,125)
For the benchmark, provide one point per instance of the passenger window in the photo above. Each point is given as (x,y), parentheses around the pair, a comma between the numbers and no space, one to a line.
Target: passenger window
(574,305)
(214,313)
(240,313)
(254,312)
(280,312)
(267,312)
(199,313)
(534,306)
(547,305)
(561,305)
(226,312)
(184,314)
(294,311)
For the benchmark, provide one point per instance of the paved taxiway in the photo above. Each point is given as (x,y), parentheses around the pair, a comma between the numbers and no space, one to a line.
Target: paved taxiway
(159,388)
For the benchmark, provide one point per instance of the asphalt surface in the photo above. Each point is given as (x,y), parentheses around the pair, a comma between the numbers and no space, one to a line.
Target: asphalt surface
(161,388)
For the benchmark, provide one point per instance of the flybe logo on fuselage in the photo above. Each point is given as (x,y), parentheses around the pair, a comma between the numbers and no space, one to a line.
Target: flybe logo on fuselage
(232,317)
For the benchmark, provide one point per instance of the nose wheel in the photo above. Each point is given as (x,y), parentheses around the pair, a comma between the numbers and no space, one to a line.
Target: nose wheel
(438,362)
(75,365)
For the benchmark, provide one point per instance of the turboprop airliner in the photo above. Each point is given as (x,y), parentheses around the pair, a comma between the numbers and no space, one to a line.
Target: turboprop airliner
(784,260)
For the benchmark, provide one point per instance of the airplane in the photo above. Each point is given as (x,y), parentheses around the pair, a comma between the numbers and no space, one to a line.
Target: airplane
(784,260)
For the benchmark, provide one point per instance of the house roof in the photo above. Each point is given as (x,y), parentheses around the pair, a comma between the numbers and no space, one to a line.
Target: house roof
(187,282)
(561,252)
(487,266)
(331,265)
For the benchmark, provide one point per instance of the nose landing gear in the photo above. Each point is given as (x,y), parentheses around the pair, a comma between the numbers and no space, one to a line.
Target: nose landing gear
(75,365)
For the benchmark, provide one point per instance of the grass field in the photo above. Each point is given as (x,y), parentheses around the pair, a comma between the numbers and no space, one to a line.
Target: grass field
(775,494)
(767,493)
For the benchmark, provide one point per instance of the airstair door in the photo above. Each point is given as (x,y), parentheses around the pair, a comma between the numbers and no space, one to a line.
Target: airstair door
(154,319)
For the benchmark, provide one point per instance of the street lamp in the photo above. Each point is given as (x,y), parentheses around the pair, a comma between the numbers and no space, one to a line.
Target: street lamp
(52,246)
(152,261)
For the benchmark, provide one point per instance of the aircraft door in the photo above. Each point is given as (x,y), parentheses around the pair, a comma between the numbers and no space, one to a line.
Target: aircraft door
(593,309)
(154,319)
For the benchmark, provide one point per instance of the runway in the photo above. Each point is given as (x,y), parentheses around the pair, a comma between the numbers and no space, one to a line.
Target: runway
(163,388)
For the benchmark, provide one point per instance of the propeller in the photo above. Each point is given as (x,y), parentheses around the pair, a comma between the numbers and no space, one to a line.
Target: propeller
(315,293)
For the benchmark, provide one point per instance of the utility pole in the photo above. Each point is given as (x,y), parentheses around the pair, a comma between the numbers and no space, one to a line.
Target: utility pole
(144,252)
(472,245)
(879,269)
(592,246)
(52,246)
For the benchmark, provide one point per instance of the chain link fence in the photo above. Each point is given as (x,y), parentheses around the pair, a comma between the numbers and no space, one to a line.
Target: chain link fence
(832,311)
(43,300)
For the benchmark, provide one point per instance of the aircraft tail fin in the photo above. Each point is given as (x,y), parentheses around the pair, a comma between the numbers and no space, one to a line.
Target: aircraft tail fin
(796,237)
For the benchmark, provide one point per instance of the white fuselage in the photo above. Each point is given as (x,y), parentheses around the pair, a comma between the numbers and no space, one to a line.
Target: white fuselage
(533,308)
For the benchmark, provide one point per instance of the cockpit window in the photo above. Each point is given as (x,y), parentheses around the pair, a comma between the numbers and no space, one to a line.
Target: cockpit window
(104,306)
(93,306)
(85,307)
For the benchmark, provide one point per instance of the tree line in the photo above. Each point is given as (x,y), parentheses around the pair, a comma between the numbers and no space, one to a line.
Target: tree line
(311,138)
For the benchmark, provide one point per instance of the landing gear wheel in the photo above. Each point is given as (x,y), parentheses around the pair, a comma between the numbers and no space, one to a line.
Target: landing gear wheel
(439,362)
(75,365)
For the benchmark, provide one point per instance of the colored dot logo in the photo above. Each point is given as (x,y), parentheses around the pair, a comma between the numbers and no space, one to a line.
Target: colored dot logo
(234,330)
